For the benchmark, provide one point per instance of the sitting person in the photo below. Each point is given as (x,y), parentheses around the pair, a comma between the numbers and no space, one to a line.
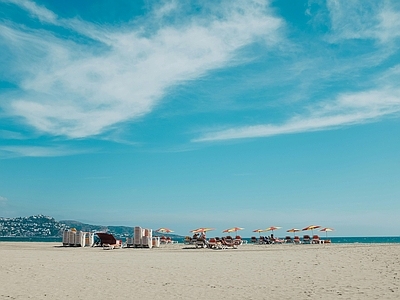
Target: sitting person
(271,238)
(204,239)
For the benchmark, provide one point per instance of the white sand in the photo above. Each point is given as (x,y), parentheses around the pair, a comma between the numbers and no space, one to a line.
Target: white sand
(337,271)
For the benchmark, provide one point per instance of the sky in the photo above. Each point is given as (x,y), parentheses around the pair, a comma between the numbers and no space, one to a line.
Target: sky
(186,114)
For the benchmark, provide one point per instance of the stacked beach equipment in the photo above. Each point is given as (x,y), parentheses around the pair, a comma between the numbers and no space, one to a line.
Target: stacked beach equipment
(76,238)
(142,238)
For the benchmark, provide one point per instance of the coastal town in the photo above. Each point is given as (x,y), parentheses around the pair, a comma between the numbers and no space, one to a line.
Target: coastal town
(33,226)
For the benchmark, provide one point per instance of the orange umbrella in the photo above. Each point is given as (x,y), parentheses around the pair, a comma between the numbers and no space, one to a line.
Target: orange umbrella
(293,230)
(259,230)
(202,229)
(164,230)
(311,227)
(233,229)
(326,229)
(272,228)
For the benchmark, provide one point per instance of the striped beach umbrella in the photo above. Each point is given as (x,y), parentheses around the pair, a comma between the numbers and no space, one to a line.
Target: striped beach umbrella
(326,229)
(202,229)
(233,229)
(164,230)
(293,230)
(272,228)
(311,227)
(259,231)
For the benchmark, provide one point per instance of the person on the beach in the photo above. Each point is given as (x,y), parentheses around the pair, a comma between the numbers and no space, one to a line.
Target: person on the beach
(271,239)
(204,239)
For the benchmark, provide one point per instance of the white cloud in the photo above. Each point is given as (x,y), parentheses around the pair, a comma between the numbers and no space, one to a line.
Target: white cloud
(78,90)
(35,10)
(3,199)
(347,109)
(359,19)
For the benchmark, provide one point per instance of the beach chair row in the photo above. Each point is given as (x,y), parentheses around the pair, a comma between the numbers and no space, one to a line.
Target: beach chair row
(215,242)
(306,239)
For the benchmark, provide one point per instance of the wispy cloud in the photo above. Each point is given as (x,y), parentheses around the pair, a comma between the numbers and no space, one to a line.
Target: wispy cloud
(3,200)
(79,89)
(360,19)
(36,151)
(11,135)
(376,21)
(347,109)
(35,10)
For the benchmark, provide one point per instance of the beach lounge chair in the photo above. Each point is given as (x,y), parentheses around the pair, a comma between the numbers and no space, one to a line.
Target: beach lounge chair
(108,241)
(253,239)
(238,240)
(316,240)
(212,243)
(288,239)
(296,240)
(200,243)
(219,243)
(229,242)
(265,240)
(306,239)
(163,240)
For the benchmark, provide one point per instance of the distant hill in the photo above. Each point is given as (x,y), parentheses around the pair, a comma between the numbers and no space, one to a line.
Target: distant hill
(45,226)
(116,230)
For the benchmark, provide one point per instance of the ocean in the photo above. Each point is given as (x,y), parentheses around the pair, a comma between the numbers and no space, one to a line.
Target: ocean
(335,240)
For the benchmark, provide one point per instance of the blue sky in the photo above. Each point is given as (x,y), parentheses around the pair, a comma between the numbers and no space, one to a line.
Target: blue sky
(202,114)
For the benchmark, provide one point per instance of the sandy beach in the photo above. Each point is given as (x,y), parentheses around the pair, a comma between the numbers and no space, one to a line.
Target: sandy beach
(336,271)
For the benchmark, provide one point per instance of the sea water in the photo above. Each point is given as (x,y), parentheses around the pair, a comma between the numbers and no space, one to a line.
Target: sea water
(342,240)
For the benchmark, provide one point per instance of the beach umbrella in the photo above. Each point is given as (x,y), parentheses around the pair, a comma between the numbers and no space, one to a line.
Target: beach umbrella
(164,230)
(272,228)
(233,229)
(202,230)
(293,230)
(259,230)
(326,229)
(311,227)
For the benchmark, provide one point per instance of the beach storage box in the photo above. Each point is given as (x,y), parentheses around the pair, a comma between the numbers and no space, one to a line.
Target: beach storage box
(89,239)
(148,232)
(80,239)
(71,237)
(65,238)
(129,241)
(147,242)
(137,236)
(147,238)
(156,242)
